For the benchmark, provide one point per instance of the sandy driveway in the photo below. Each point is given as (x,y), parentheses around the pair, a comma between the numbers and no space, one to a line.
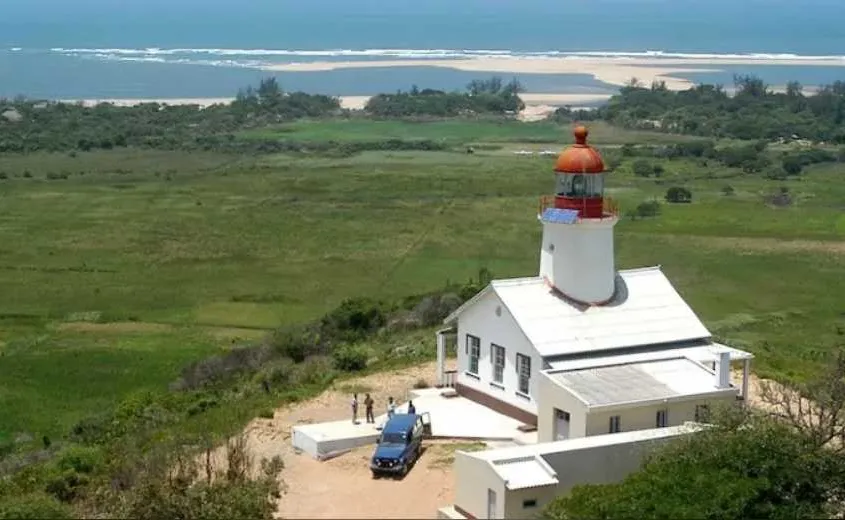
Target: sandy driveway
(343,487)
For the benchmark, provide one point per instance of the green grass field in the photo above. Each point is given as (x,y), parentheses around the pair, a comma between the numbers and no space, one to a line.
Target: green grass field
(114,278)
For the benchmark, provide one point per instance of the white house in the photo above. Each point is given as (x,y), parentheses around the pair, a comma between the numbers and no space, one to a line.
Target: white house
(578,309)
(604,364)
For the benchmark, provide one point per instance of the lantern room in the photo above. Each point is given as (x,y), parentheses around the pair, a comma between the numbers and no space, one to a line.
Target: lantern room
(579,178)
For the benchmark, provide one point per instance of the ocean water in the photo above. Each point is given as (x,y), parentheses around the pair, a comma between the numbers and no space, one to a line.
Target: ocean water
(210,48)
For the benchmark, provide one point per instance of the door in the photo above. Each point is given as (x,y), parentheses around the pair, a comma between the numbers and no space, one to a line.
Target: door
(561,425)
(491,504)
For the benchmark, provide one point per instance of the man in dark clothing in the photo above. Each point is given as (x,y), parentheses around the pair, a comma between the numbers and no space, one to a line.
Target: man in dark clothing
(411,408)
(368,406)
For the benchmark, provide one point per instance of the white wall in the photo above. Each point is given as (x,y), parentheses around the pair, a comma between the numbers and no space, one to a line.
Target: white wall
(481,321)
(473,477)
(599,460)
(550,396)
(645,417)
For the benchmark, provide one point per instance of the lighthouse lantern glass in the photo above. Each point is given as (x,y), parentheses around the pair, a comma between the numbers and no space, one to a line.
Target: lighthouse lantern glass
(579,185)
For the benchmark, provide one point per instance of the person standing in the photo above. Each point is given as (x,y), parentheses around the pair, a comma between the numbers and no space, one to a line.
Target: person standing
(368,408)
(412,410)
(391,408)
(354,408)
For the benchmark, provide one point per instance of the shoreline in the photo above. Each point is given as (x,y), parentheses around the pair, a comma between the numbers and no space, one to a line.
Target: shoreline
(348,102)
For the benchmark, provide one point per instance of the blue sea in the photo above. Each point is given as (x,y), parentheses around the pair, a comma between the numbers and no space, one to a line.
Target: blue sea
(211,48)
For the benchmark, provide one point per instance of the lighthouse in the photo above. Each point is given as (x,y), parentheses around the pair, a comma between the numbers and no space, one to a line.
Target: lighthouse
(576,258)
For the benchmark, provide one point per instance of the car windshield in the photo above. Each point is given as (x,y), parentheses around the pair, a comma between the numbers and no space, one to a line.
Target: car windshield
(393,438)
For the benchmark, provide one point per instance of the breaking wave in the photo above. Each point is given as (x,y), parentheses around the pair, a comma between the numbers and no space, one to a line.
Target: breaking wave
(438,54)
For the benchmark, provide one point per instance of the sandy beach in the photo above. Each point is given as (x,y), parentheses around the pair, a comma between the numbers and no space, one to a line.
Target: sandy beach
(538,105)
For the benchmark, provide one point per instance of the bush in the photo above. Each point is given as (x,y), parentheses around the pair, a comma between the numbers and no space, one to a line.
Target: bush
(421,383)
(353,320)
(296,342)
(678,194)
(642,168)
(33,506)
(649,208)
(728,190)
(81,459)
(350,358)
(316,370)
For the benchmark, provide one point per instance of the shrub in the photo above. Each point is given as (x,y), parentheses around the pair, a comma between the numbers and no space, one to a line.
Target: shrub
(649,208)
(642,168)
(81,459)
(354,319)
(421,383)
(34,505)
(296,342)
(316,370)
(727,189)
(350,358)
(678,194)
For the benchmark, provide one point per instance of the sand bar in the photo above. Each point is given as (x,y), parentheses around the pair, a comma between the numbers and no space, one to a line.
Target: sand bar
(615,71)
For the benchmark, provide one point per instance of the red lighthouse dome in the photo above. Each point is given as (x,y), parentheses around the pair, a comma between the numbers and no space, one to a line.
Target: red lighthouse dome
(580,157)
(579,173)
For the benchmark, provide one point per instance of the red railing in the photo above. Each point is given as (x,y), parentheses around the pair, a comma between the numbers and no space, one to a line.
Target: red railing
(610,207)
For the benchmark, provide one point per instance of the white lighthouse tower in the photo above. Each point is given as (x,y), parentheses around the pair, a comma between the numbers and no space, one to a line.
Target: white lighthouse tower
(576,258)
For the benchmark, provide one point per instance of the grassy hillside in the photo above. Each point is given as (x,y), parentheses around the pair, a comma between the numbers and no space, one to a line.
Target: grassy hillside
(119,267)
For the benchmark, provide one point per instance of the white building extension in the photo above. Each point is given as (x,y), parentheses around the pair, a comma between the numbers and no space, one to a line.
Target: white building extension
(518,482)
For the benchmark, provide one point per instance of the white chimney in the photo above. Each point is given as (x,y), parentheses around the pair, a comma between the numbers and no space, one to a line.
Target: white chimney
(723,370)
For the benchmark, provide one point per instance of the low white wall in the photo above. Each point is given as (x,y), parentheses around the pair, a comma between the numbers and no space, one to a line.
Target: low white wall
(473,477)
(599,459)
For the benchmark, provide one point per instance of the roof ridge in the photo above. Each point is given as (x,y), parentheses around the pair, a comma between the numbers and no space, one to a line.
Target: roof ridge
(635,270)
(516,281)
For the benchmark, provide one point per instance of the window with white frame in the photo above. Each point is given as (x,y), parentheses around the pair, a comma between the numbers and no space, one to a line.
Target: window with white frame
(615,427)
(702,413)
(523,370)
(662,418)
(497,357)
(474,352)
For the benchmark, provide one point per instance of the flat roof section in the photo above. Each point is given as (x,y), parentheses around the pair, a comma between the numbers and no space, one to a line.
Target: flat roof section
(637,382)
(525,472)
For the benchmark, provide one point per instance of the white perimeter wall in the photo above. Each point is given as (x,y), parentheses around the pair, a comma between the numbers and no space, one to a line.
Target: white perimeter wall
(596,464)
(481,321)
(473,477)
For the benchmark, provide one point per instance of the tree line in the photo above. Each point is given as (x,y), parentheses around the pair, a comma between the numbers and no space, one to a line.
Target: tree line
(28,126)
(752,111)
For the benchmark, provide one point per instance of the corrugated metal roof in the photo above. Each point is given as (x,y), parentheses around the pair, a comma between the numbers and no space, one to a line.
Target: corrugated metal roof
(634,382)
(524,472)
(646,310)
(706,353)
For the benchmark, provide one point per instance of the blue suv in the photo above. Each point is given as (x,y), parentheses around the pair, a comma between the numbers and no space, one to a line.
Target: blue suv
(400,444)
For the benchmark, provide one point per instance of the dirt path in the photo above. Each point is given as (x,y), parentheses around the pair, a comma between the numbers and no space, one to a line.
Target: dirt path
(343,487)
